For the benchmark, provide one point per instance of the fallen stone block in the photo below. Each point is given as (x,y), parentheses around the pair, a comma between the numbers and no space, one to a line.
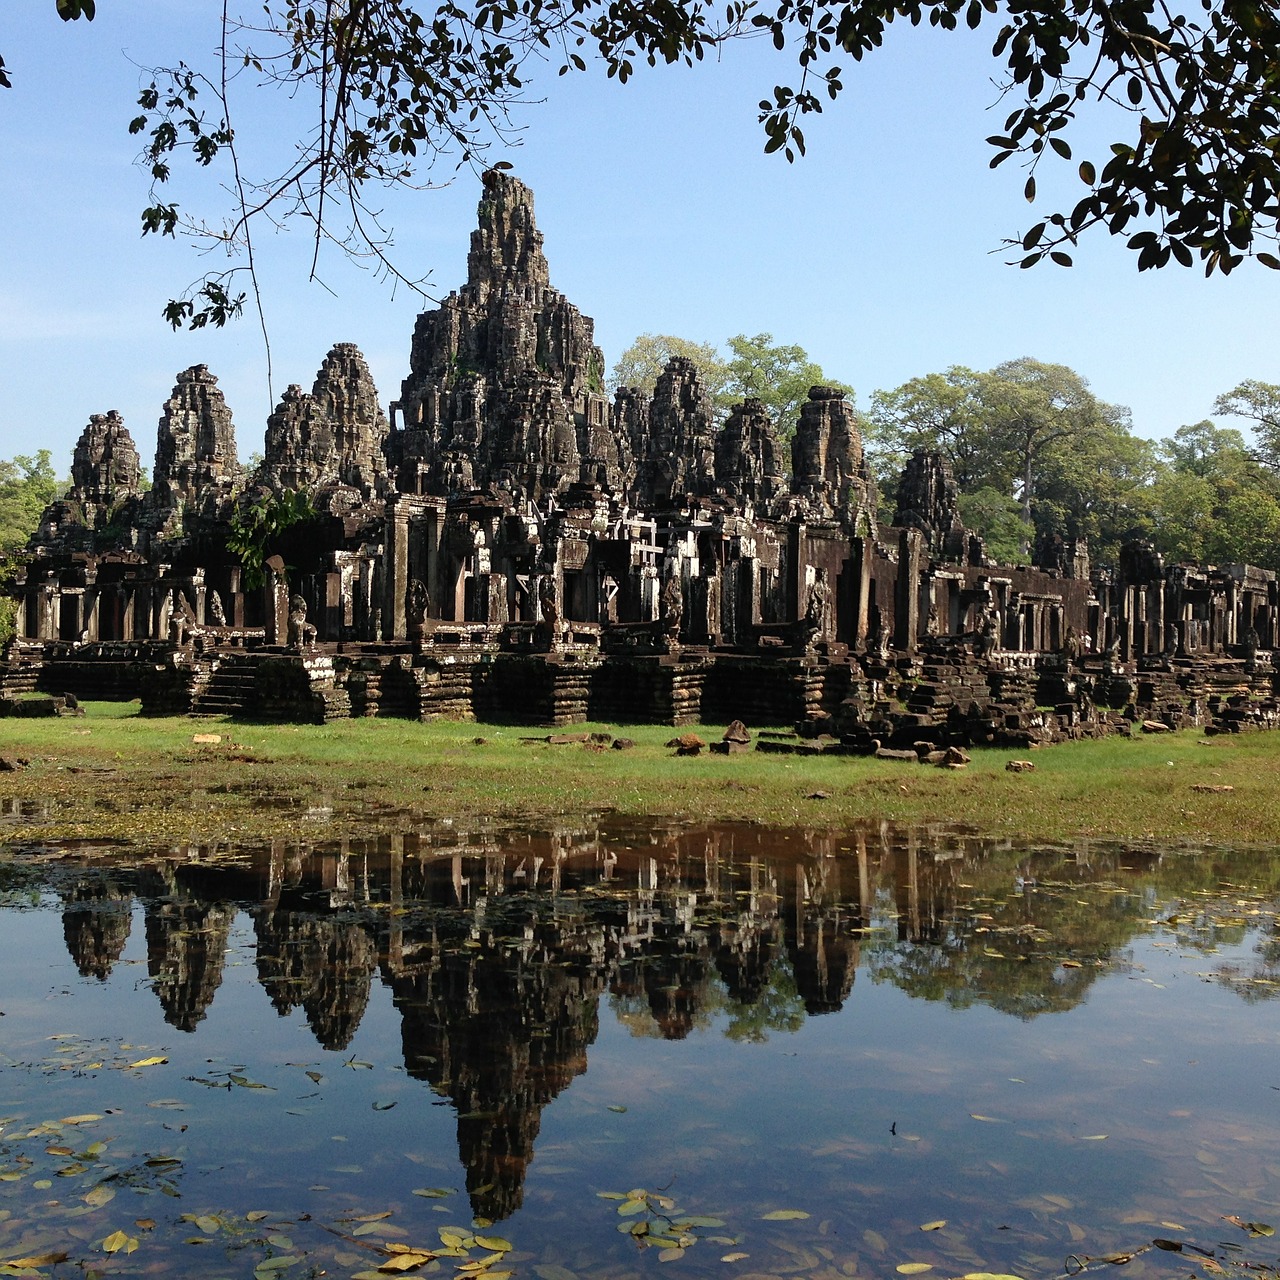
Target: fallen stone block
(210,739)
(1154,726)
(1209,788)
(1019,766)
(888,753)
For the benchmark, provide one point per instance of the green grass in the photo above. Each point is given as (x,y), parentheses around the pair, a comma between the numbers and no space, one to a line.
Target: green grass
(113,774)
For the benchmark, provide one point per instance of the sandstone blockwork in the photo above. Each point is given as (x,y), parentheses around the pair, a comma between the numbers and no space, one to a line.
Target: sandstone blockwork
(510,542)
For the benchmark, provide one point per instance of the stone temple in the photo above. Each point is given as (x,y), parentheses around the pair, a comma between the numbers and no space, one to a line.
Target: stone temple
(506,542)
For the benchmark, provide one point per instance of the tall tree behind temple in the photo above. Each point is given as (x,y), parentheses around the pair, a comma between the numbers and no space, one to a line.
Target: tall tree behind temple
(1213,500)
(27,485)
(777,374)
(1031,447)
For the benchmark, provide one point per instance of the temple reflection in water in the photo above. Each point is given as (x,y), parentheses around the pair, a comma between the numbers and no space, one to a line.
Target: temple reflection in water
(499,948)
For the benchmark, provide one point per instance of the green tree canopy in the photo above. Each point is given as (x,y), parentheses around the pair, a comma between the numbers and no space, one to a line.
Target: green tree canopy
(1259,402)
(778,374)
(1212,501)
(390,87)
(641,363)
(28,484)
(1027,429)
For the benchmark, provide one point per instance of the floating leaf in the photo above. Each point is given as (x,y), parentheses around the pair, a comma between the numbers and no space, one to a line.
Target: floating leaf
(553,1271)
(456,1238)
(495,1243)
(245,1083)
(383,1106)
(670,1255)
(119,1242)
(934,1226)
(99,1196)
(148,1062)
(315,1077)
(406,1261)
(783,1215)
(432,1193)
(86,1119)
(988,1275)
(620,1110)
(734,1257)
(36,1260)
(280,1242)
(1092,1137)
(628,1207)
(913,1268)
(613,1195)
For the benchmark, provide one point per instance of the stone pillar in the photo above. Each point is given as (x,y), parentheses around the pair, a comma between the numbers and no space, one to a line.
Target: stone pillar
(395,581)
(199,596)
(89,620)
(860,564)
(906,622)
(275,602)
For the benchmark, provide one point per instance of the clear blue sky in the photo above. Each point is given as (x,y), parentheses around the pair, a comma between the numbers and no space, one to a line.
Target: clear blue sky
(660,214)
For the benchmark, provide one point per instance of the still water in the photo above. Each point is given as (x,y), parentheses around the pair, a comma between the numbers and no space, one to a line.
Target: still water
(612,1052)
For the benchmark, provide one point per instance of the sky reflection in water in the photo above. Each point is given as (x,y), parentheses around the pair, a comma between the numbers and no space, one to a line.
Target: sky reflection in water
(1053,1052)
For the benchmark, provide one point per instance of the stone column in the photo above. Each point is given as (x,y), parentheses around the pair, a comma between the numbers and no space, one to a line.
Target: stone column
(860,564)
(275,602)
(906,621)
(395,582)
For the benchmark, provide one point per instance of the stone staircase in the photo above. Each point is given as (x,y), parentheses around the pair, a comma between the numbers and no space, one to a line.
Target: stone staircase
(229,689)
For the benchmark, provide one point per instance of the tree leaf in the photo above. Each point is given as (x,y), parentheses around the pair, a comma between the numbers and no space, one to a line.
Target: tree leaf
(119,1242)
(783,1215)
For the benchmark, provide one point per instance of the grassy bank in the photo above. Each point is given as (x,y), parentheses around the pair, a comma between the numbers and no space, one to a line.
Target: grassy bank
(112,774)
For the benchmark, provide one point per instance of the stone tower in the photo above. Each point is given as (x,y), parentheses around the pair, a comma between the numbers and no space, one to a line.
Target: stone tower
(333,436)
(828,468)
(104,466)
(505,388)
(749,457)
(196,442)
(678,456)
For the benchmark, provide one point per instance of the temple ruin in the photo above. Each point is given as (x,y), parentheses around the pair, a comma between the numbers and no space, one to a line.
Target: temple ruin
(510,544)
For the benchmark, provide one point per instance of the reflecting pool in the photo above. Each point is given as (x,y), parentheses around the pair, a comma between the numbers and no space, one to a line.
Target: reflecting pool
(606,1051)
